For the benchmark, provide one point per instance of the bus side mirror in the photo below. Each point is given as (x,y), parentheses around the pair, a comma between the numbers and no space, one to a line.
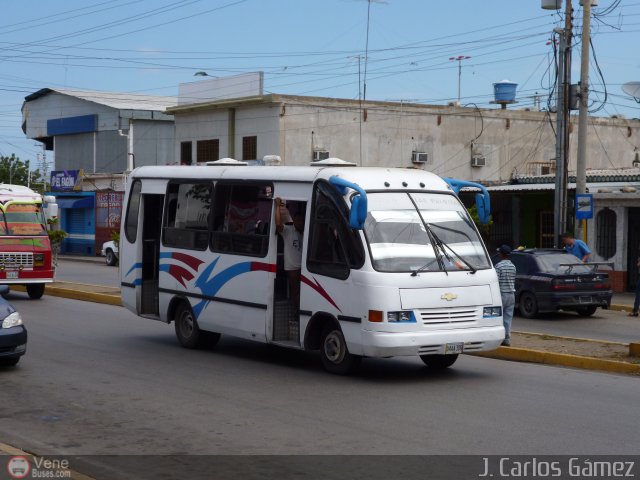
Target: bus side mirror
(358,213)
(483,207)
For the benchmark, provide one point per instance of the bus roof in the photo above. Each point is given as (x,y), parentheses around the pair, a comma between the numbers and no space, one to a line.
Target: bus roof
(369,178)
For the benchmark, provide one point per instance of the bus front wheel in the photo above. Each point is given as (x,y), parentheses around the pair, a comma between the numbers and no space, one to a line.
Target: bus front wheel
(35,290)
(439,361)
(334,352)
(188,332)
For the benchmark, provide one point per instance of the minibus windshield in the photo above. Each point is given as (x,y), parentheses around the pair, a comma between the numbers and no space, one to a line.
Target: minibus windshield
(422,232)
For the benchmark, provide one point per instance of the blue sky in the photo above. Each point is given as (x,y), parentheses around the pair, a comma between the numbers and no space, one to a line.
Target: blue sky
(307,47)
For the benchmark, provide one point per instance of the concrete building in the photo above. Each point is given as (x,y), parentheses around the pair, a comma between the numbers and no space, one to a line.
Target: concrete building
(95,136)
(499,148)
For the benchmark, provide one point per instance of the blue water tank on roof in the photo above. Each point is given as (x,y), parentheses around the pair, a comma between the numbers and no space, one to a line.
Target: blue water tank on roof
(504,91)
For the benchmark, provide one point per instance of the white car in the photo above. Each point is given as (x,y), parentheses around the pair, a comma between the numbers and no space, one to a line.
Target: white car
(110,252)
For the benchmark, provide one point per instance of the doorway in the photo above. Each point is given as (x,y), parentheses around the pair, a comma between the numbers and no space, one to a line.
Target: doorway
(152,205)
(633,247)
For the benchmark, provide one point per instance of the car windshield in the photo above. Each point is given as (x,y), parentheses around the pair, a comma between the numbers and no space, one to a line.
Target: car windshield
(400,241)
(562,263)
(22,219)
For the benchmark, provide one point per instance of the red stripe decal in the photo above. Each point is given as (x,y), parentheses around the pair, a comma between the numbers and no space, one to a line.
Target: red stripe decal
(191,261)
(318,288)
(262,267)
(180,273)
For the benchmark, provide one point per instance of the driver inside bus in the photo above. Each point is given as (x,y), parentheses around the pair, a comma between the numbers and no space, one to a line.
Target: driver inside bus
(292,236)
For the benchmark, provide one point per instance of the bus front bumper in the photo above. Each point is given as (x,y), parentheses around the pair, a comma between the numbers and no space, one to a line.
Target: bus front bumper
(385,344)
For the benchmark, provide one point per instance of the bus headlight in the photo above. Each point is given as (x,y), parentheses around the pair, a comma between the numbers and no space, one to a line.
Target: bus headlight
(400,316)
(490,312)
(12,320)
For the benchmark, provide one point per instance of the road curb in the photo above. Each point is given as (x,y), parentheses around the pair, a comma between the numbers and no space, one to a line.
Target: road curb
(562,359)
(620,308)
(96,297)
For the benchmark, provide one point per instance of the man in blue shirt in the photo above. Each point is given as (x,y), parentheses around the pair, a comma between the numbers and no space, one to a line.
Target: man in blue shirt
(575,247)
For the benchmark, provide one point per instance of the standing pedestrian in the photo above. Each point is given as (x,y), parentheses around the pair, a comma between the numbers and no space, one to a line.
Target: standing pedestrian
(506,271)
(575,247)
(636,302)
(292,235)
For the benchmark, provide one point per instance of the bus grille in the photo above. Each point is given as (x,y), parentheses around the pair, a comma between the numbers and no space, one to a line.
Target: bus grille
(449,316)
(16,260)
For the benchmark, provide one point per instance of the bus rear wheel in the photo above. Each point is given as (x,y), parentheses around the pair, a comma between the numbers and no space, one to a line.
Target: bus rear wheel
(334,352)
(188,332)
(439,361)
(35,290)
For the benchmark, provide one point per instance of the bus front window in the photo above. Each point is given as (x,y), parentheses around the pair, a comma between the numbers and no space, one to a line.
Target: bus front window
(409,232)
(24,219)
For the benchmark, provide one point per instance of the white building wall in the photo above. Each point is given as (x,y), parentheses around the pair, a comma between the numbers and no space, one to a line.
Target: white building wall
(210,125)
(263,122)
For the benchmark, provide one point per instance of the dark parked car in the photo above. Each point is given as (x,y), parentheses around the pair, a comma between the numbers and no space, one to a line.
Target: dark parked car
(13,334)
(549,280)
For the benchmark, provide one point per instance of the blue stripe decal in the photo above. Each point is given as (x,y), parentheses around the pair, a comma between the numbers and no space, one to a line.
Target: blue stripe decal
(211,286)
(135,265)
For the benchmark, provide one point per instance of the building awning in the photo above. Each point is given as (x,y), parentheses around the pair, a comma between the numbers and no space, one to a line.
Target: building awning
(81,202)
(593,187)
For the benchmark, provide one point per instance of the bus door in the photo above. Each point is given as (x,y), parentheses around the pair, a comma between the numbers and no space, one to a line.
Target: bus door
(284,327)
(152,205)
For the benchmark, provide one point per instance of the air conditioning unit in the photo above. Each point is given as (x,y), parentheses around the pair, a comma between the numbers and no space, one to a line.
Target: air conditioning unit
(419,157)
(320,155)
(478,161)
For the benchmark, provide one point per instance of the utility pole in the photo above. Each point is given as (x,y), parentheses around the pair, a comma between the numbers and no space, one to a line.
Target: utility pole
(459,59)
(562,126)
(581,161)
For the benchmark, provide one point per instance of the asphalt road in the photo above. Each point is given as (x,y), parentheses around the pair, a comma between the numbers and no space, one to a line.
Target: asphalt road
(609,325)
(98,380)
(89,272)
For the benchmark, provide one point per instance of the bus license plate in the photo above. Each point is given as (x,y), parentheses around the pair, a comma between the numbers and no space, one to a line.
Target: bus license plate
(12,274)
(451,348)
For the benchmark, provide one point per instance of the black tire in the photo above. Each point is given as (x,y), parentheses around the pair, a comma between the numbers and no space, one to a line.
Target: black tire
(35,290)
(188,332)
(5,294)
(439,361)
(9,362)
(111,258)
(528,305)
(334,352)
(587,311)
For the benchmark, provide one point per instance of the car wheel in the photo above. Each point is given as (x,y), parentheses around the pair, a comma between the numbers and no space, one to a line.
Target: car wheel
(587,311)
(188,332)
(528,305)
(111,258)
(334,352)
(35,290)
(439,361)
(9,362)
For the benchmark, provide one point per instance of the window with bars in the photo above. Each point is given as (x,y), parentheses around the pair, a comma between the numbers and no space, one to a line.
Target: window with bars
(249,148)
(207,150)
(546,230)
(606,233)
(185,153)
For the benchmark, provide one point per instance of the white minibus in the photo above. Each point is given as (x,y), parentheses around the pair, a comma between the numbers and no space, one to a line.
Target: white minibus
(390,262)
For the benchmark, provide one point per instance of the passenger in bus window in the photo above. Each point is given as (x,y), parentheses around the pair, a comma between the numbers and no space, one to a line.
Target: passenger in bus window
(292,236)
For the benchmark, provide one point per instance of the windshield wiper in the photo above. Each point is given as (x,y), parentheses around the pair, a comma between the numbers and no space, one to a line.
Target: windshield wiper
(439,245)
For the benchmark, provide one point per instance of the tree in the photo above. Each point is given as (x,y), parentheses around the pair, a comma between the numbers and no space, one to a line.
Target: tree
(15,171)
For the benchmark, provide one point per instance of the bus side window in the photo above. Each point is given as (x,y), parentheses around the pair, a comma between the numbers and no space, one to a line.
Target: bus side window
(186,223)
(241,217)
(131,222)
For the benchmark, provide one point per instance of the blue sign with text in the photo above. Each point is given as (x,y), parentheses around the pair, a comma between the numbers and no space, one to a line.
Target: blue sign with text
(584,206)
(64,180)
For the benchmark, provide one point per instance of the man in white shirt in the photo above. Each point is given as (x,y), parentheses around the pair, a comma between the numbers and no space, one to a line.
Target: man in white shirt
(292,236)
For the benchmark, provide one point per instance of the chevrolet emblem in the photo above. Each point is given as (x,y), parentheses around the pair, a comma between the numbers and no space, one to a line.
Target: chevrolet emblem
(448,296)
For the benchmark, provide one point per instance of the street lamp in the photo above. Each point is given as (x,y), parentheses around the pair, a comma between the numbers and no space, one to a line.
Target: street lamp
(459,59)
(203,74)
